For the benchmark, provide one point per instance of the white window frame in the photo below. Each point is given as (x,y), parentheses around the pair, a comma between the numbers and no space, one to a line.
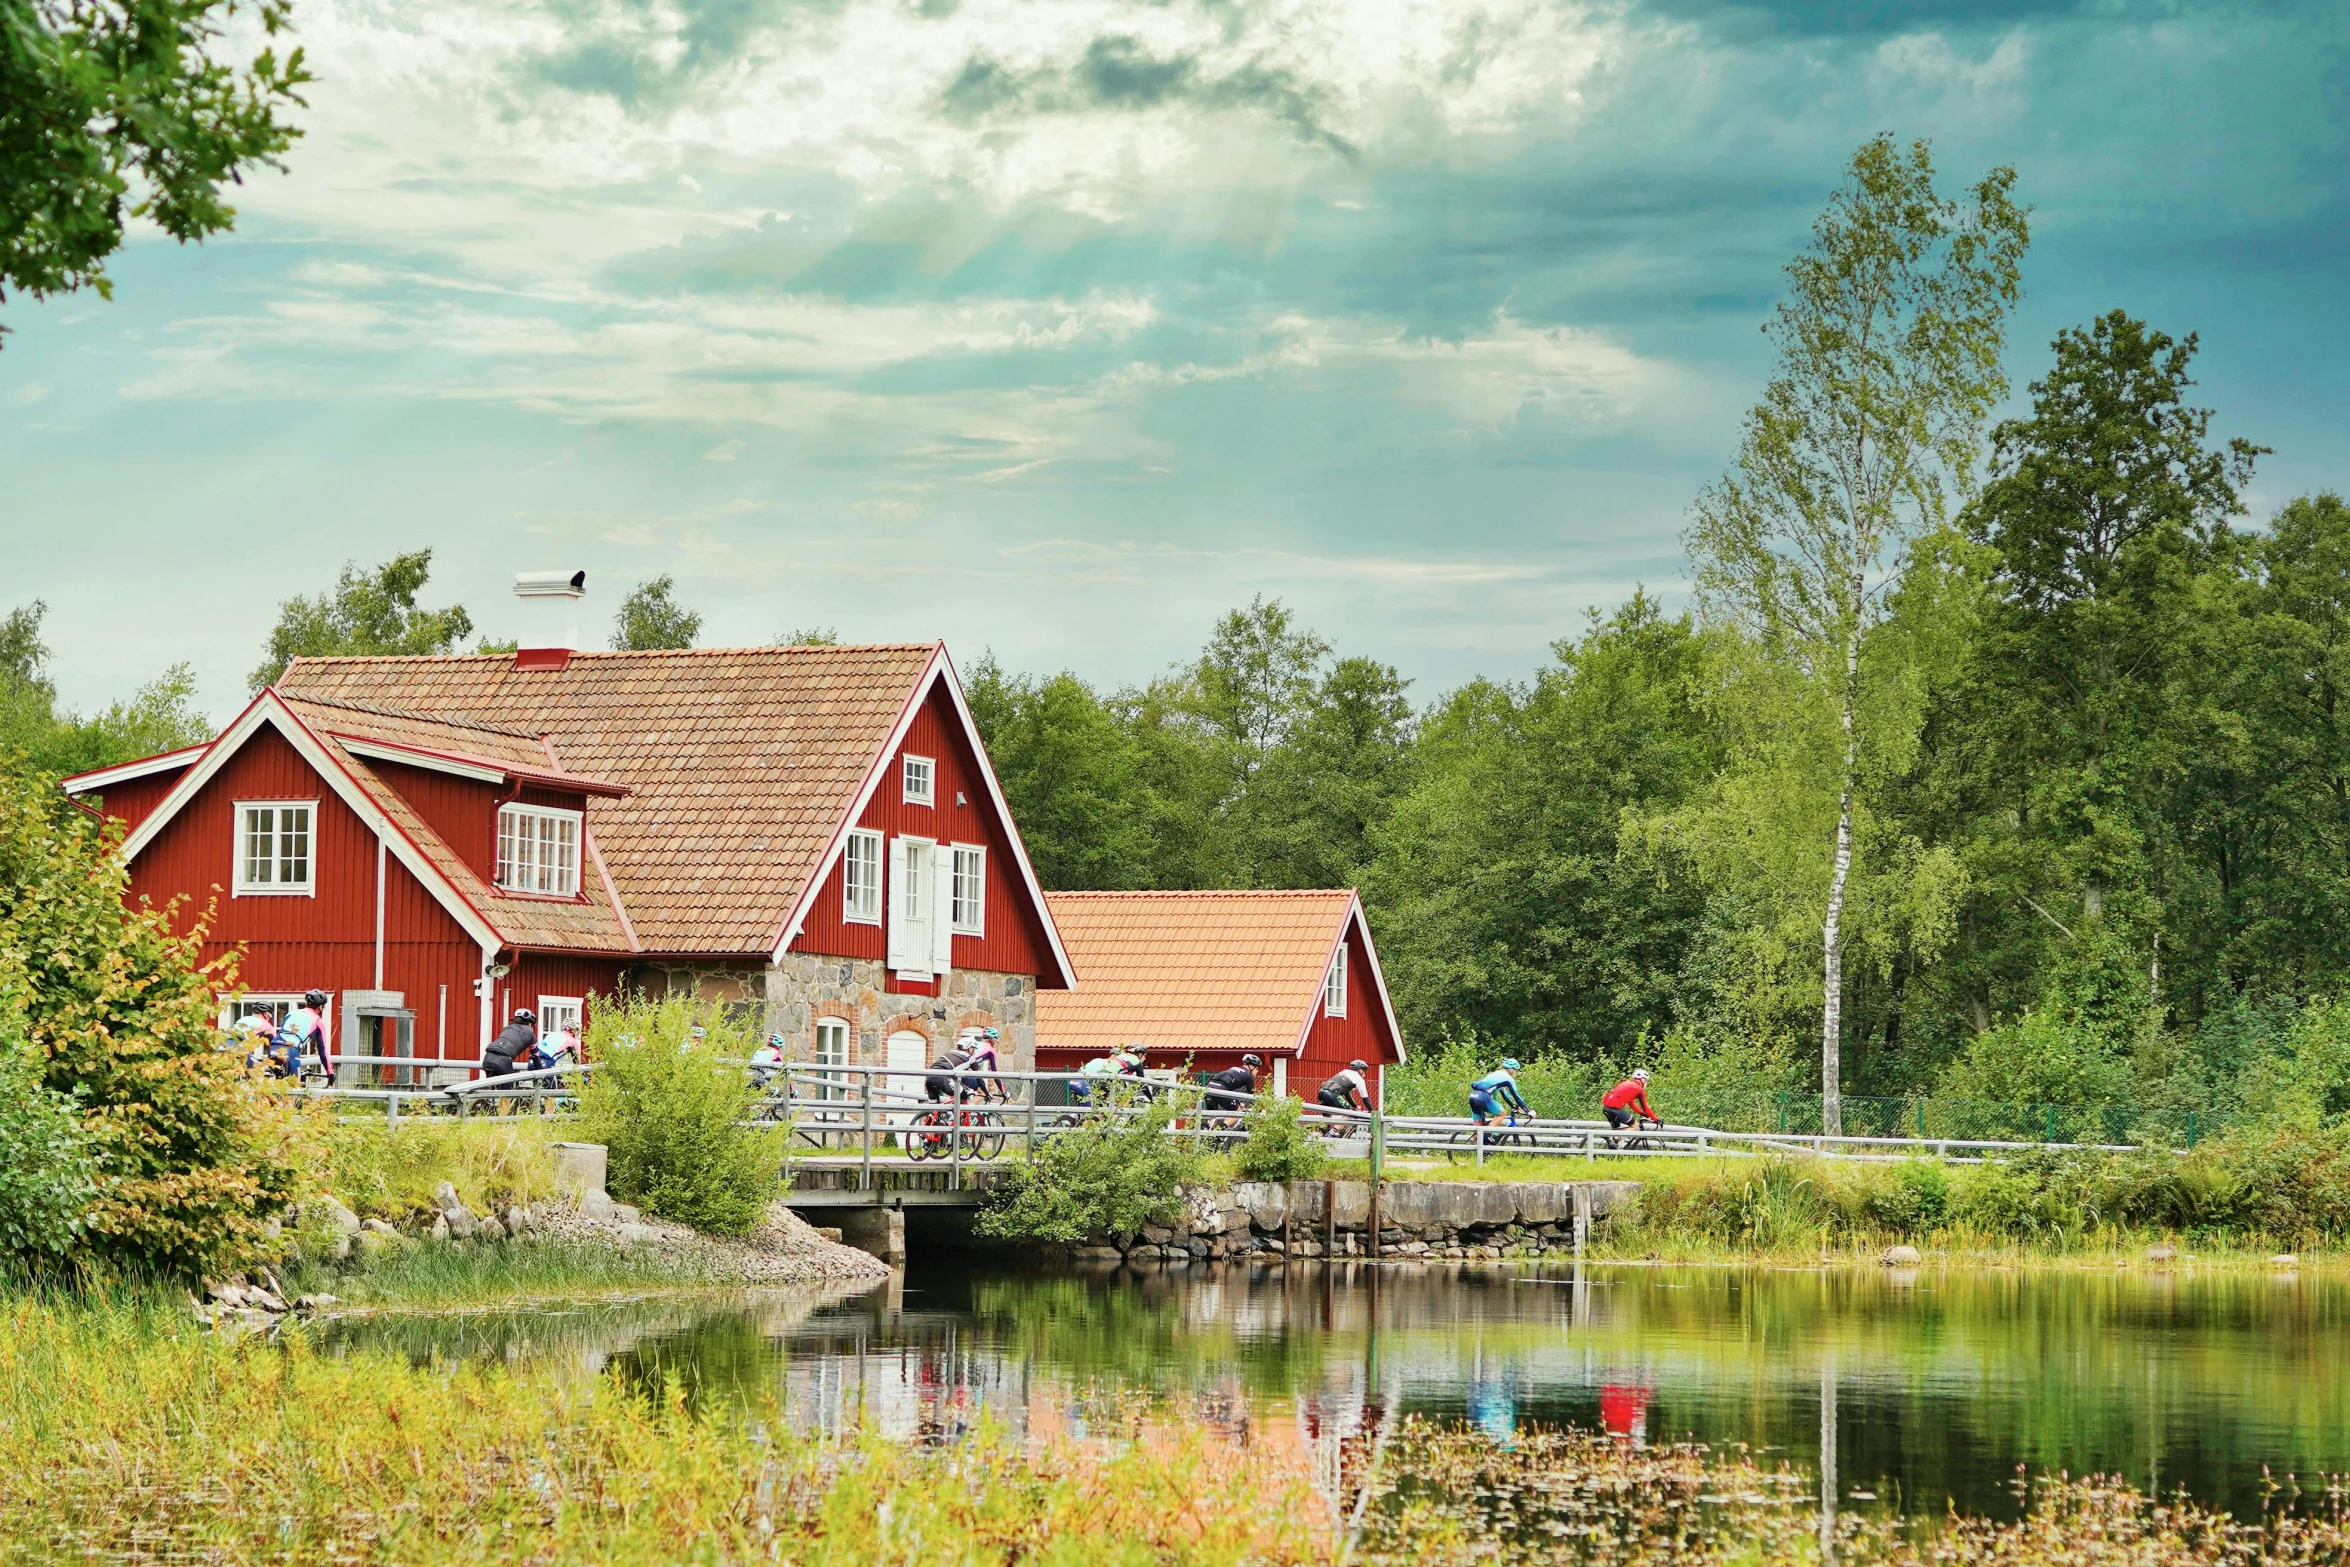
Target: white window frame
(828,1085)
(536,814)
(241,1003)
(1334,985)
(927,792)
(865,910)
(968,917)
(240,885)
(570,1008)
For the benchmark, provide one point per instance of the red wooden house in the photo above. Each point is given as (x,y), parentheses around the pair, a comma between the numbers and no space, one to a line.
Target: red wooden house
(1207,977)
(814,832)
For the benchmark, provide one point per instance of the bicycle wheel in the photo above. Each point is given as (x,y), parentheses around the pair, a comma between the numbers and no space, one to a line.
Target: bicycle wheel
(991,1141)
(926,1137)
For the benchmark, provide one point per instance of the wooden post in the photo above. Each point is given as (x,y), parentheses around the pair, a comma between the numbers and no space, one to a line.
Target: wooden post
(1330,1221)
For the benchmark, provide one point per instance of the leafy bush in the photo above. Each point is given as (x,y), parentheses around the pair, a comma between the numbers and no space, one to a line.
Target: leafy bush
(48,1170)
(1111,1175)
(1278,1147)
(1915,1201)
(671,1116)
(193,1158)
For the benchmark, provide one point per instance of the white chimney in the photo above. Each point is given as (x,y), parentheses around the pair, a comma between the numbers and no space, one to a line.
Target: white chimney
(550,617)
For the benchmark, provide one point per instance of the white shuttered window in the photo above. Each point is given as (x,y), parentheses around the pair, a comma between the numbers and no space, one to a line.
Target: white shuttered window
(1334,987)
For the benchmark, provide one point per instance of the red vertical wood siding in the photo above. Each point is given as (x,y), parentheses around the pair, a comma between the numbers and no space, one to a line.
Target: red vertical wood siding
(1014,942)
(132,800)
(464,811)
(537,974)
(1362,1034)
(327,941)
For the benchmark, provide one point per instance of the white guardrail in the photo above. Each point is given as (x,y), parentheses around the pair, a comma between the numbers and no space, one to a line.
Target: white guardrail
(854,1110)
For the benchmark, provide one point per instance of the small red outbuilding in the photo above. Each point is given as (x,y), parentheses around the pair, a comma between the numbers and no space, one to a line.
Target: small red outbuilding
(1210,976)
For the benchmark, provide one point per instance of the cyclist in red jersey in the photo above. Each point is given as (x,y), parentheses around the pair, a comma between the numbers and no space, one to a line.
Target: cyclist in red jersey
(1626,1104)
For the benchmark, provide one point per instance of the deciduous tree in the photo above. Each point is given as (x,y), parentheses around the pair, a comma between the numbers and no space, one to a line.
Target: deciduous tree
(369,612)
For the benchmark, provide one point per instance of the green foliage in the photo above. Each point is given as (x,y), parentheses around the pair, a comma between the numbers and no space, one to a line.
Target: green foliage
(671,1115)
(48,1170)
(389,1170)
(193,1157)
(650,617)
(1279,1146)
(1109,1176)
(55,742)
(369,612)
(97,96)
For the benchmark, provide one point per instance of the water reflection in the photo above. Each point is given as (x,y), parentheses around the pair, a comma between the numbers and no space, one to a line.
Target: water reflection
(1906,1393)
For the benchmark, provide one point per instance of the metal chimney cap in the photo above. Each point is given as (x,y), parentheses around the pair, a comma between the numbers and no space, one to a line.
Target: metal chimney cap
(550,584)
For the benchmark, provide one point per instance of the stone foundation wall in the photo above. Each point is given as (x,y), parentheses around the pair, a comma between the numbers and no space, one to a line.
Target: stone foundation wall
(805,987)
(1418,1221)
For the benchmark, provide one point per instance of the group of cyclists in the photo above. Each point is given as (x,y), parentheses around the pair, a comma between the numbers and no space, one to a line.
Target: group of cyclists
(293,1046)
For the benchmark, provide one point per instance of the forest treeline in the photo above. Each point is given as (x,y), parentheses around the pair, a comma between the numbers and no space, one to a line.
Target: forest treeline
(2124,804)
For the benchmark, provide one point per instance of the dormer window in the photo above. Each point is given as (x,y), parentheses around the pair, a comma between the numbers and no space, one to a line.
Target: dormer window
(921,780)
(538,850)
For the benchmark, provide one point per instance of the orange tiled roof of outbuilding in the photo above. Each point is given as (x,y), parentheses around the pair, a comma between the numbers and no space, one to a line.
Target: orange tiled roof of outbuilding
(1195,972)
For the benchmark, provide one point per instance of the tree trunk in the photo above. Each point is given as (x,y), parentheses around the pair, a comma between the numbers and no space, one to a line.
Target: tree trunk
(1832,931)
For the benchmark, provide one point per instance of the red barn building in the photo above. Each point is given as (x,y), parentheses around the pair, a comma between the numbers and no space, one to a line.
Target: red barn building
(1210,976)
(813,832)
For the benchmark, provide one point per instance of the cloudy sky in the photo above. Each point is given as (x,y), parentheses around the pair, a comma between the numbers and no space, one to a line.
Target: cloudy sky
(1059,326)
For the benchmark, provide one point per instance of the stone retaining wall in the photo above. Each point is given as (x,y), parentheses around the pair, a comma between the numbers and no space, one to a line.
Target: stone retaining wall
(1418,1220)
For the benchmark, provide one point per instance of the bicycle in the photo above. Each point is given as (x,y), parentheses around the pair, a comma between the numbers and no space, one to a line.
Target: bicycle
(1497,1134)
(1616,1140)
(935,1133)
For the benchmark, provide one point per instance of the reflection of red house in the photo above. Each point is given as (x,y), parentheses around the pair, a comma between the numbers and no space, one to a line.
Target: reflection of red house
(812,834)
(1210,976)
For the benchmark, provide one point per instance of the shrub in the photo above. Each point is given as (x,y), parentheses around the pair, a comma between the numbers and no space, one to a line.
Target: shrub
(193,1158)
(1279,1147)
(48,1170)
(1915,1200)
(1110,1175)
(672,1116)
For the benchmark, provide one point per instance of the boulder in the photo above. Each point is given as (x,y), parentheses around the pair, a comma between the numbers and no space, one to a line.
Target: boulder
(461,1223)
(1265,1202)
(231,1295)
(1305,1203)
(595,1205)
(634,1234)
(1458,1204)
(440,1227)
(1097,1254)
(490,1228)
(626,1214)
(1901,1257)
(376,1227)
(374,1243)
(1156,1235)
(517,1219)
(326,1213)
(445,1198)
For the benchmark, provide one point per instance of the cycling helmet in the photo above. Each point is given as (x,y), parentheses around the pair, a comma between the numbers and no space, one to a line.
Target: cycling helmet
(1640,1075)
(776,1040)
(992,1034)
(314,999)
(1360,1066)
(1252,1060)
(525,1015)
(1509,1064)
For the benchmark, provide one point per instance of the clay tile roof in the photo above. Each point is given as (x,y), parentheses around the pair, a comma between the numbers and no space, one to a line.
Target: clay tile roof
(1182,971)
(506,747)
(741,762)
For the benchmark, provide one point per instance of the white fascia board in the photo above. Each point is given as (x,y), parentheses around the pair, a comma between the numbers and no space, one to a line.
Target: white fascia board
(939,669)
(268,709)
(144,767)
(384,751)
(1356,917)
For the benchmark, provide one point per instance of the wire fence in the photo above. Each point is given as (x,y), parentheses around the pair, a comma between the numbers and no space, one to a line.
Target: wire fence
(1933,1117)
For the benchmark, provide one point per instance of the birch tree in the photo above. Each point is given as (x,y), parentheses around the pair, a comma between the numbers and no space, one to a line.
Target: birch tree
(1865,439)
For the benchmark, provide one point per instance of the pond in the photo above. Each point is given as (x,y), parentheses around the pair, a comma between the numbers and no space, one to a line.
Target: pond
(1921,1391)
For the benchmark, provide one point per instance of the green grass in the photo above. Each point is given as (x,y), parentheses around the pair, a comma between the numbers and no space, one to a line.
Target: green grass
(450,1274)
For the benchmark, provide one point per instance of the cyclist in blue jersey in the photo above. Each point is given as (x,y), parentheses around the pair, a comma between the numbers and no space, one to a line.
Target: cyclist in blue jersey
(1497,1091)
